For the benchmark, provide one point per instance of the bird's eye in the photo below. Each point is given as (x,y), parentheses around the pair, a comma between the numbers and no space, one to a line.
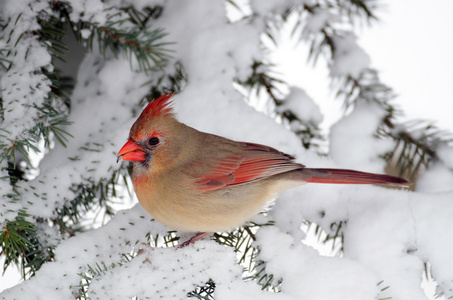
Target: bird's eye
(153,141)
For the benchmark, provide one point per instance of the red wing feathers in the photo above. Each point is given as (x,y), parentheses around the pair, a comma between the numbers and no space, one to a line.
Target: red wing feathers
(257,162)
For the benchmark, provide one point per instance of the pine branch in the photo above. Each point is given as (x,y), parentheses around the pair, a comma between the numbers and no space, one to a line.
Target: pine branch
(164,83)
(11,150)
(129,42)
(415,142)
(261,80)
(94,197)
(415,145)
(51,34)
(122,33)
(141,18)
(31,255)
(411,152)
(364,9)
(382,289)
(242,240)
(267,281)
(50,115)
(367,87)
(205,292)
(93,271)
(49,125)
(333,234)
(4,63)
(309,132)
(18,245)
(440,291)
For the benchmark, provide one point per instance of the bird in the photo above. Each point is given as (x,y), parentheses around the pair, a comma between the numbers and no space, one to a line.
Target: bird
(193,181)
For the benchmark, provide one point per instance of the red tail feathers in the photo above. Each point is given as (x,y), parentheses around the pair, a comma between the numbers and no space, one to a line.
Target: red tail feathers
(339,176)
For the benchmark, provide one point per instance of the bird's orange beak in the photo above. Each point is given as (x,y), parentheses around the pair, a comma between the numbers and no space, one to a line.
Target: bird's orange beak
(131,151)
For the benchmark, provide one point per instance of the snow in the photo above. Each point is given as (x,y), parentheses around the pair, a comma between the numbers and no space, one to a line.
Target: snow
(88,10)
(359,148)
(307,275)
(100,91)
(439,176)
(445,154)
(388,234)
(267,7)
(85,33)
(386,230)
(436,179)
(22,88)
(416,62)
(300,103)
(188,267)
(321,18)
(73,256)
(348,57)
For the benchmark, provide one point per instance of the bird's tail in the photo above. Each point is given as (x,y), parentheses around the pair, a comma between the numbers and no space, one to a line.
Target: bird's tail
(340,176)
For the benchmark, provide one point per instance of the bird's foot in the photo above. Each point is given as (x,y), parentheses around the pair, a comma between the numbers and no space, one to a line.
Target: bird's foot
(193,239)
(145,251)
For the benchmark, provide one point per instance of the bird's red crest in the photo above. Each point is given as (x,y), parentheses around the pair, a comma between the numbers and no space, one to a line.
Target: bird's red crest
(159,107)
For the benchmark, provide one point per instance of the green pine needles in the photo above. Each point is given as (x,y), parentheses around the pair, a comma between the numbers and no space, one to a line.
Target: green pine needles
(125,32)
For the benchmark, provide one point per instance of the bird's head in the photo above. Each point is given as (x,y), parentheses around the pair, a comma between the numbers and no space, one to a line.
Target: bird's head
(152,143)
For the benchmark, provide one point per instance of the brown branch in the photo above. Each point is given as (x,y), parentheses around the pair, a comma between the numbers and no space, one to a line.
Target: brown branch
(123,39)
(63,228)
(250,233)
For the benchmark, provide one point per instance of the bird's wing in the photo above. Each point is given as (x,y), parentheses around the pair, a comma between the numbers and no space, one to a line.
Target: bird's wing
(255,162)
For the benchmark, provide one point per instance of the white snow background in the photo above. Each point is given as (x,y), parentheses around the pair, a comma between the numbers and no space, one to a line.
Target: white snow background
(390,234)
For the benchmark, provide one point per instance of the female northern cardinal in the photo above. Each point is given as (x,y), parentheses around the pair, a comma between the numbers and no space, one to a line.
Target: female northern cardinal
(195,181)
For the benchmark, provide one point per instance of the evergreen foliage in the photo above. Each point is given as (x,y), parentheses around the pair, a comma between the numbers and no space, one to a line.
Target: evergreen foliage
(125,33)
